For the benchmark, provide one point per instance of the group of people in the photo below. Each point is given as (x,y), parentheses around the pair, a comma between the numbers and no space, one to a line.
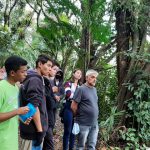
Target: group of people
(44,88)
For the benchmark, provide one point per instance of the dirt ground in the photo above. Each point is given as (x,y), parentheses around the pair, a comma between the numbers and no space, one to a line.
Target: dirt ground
(58,135)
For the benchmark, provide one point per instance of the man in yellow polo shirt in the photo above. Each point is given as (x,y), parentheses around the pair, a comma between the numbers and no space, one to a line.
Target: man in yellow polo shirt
(16,68)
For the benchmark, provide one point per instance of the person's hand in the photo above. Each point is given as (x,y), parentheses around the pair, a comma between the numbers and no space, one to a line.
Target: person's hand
(39,138)
(55,89)
(22,110)
(57,98)
(27,122)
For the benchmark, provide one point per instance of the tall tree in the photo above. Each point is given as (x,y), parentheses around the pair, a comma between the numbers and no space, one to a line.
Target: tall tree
(132,27)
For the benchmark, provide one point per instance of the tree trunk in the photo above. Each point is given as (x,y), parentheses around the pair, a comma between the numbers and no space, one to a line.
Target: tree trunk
(86,34)
(126,65)
(123,36)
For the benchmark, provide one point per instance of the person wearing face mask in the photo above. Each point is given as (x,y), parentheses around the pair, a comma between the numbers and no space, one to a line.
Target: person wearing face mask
(68,119)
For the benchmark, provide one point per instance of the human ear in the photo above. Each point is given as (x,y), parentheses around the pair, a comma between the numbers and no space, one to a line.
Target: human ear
(12,73)
(39,64)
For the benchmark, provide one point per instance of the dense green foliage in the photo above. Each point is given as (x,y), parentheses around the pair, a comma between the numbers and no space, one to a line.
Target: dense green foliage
(87,34)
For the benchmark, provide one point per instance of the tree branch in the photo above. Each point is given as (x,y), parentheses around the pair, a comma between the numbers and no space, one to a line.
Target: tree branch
(32,6)
(101,50)
(29,44)
(5,14)
(38,16)
(55,13)
(11,8)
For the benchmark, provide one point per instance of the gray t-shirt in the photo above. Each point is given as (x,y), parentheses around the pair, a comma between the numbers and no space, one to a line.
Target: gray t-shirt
(87,99)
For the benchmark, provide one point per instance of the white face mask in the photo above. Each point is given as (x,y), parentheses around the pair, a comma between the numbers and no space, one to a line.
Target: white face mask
(75,129)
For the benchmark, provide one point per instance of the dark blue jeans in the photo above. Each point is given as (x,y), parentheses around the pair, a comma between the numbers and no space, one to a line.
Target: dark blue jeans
(68,137)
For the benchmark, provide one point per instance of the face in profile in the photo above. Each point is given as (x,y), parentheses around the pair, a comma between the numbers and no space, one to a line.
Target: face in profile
(91,79)
(20,74)
(45,68)
(77,75)
(53,71)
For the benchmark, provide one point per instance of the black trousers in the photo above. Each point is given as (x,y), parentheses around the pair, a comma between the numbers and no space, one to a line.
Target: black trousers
(48,143)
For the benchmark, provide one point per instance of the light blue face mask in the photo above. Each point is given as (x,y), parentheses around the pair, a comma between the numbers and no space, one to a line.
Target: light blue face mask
(75,129)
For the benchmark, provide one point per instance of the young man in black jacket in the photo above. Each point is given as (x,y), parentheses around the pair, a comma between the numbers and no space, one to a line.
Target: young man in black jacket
(33,91)
(54,91)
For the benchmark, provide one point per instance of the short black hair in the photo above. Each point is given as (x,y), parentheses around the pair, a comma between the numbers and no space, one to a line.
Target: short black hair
(43,59)
(55,63)
(13,63)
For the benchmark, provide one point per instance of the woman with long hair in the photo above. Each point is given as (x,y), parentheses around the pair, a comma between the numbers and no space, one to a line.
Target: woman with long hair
(68,119)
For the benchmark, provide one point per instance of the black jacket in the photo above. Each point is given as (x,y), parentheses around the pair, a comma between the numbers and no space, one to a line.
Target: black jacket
(50,103)
(33,91)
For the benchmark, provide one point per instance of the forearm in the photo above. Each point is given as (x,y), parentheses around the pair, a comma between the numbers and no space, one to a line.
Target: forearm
(7,115)
(74,107)
(37,120)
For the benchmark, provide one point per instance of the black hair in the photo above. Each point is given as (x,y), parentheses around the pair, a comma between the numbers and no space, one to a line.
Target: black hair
(43,59)
(13,63)
(55,63)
